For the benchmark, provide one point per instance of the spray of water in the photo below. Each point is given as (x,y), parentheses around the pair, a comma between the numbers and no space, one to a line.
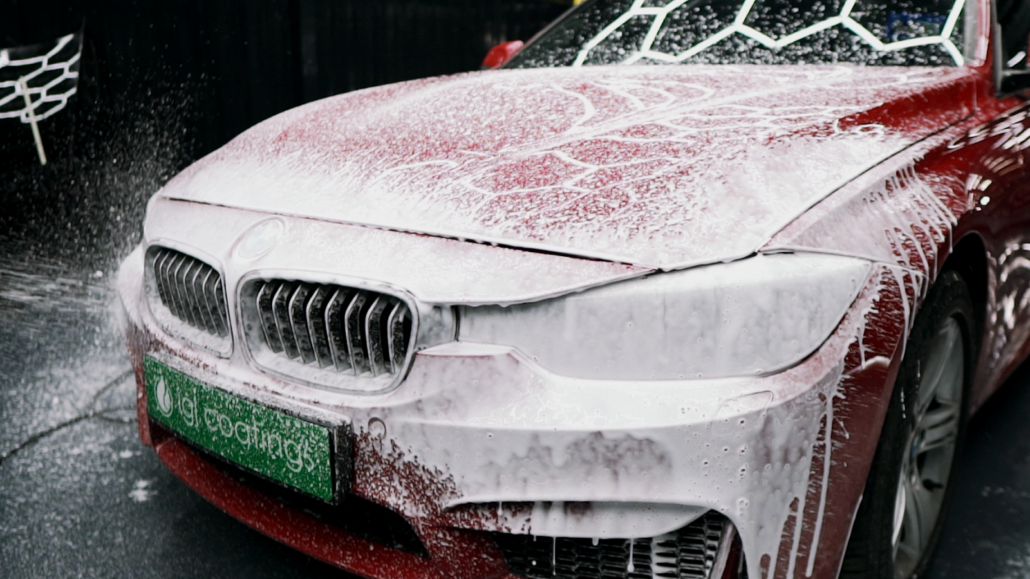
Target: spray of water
(63,230)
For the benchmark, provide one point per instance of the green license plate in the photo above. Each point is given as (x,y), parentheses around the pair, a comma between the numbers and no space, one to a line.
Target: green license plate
(289,450)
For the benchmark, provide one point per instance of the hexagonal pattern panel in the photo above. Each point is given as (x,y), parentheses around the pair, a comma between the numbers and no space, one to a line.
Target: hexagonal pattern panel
(773,24)
(50,73)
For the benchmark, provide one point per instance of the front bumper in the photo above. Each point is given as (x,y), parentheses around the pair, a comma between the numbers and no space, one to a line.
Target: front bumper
(479,440)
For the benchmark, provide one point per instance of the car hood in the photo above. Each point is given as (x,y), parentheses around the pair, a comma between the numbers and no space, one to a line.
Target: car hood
(663,167)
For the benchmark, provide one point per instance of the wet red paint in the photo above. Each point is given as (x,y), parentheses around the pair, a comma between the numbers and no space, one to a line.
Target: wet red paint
(452,552)
(968,148)
(502,53)
(858,417)
(957,164)
(139,341)
(387,475)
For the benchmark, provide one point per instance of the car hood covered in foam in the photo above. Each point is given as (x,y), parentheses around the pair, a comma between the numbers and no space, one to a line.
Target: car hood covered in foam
(664,167)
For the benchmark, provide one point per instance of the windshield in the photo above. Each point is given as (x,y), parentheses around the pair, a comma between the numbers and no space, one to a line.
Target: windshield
(873,32)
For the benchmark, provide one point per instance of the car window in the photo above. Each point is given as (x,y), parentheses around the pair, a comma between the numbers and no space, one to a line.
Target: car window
(1014,20)
(874,32)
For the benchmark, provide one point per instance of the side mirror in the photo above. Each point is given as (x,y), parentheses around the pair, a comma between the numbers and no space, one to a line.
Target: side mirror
(501,54)
(1017,79)
(1013,81)
(1013,76)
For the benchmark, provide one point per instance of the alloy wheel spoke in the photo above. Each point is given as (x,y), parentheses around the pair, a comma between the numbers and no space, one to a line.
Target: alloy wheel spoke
(939,428)
(900,504)
(933,369)
(915,516)
(939,368)
(944,441)
(945,414)
(907,551)
(926,460)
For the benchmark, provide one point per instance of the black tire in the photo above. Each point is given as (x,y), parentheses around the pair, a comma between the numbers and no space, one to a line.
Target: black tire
(872,551)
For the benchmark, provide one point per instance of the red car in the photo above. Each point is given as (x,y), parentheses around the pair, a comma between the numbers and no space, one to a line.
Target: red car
(570,318)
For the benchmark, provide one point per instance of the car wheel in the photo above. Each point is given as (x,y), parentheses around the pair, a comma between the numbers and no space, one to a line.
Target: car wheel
(909,488)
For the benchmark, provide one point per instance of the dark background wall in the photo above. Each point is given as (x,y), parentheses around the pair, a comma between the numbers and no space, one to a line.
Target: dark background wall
(163,83)
(237,62)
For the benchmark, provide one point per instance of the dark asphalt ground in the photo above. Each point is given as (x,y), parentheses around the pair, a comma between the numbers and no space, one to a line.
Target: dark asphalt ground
(81,497)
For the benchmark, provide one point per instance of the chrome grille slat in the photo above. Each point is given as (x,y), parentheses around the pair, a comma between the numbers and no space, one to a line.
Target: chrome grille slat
(334,326)
(191,293)
(207,288)
(177,294)
(343,331)
(298,322)
(198,299)
(375,344)
(179,279)
(159,279)
(282,318)
(396,341)
(176,301)
(267,318)
(314,315)
(199,287)
(170,267)
(223,308)
(355,338)
(181,275)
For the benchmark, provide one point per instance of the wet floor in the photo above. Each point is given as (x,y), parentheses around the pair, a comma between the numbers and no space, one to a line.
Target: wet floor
(987,534)
(81,497)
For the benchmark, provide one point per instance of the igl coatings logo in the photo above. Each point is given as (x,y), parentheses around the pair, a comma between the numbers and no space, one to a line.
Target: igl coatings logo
(164,398)
(294,453)
(282,447)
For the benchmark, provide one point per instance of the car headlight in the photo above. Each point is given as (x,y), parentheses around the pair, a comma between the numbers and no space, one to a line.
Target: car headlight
(754,316)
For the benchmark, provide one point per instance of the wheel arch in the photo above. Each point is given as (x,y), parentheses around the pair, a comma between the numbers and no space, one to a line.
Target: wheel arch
(968,259)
